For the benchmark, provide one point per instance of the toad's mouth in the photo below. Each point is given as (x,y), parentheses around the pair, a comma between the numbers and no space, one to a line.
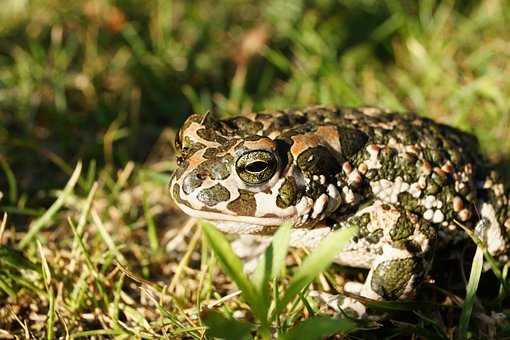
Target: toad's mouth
(222,218)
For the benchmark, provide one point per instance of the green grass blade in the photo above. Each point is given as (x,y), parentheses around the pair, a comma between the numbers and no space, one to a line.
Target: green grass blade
(318,327)
(152,233)
(472,286)
(233,267)
(16,259)
(96,332)
(41,222)
(271,262)
(107,238)
(7,288)
(315,263)
(47,278)
(218,326)
(11,180)
(85,213)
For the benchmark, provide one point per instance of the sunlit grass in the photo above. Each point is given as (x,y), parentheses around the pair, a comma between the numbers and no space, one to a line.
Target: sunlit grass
(91,93)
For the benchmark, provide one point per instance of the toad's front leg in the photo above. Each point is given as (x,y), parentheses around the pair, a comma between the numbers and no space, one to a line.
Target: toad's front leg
(394,244)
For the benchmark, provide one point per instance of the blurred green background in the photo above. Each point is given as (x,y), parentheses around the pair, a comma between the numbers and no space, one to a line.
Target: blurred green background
(100,80)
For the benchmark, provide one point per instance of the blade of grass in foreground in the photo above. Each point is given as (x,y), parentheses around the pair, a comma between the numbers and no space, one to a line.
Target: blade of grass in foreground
(316,262)
(233,267)
(472,286)
(36,226)
(270,264)
(219,326)
(318,327)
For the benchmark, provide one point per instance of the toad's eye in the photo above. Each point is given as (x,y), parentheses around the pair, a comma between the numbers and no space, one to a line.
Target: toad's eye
(256,167)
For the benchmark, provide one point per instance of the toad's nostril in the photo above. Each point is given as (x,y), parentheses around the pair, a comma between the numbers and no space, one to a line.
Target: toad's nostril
(192,181)
(179,160)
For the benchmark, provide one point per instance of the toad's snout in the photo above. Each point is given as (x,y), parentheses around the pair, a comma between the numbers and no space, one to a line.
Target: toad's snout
(193,180)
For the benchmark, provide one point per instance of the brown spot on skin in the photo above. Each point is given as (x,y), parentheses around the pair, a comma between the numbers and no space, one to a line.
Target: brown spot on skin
(245,204)
(448,167)
(440,172)
(206,208)
(458,204)
(195,160)
(196,118)
(329,134)
(260,143)
(426,167)
(211,152)
(303,142)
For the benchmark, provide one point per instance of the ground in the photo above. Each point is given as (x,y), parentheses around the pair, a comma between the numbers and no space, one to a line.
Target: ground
(92,92)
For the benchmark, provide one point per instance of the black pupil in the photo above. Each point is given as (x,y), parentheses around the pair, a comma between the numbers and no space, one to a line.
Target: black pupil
(256,166)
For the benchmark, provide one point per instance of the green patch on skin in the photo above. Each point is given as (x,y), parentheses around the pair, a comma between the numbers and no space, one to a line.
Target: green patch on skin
(351,141)
(217,168)
(245,204)
(404,227)
(288,193)
(361,222)
(318,161)
(428,230)
(247,126)
(214,195)
(391,278)
(408,169)
(432,187)
(375,236)
(211,135)
(407,201)
(213,152)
